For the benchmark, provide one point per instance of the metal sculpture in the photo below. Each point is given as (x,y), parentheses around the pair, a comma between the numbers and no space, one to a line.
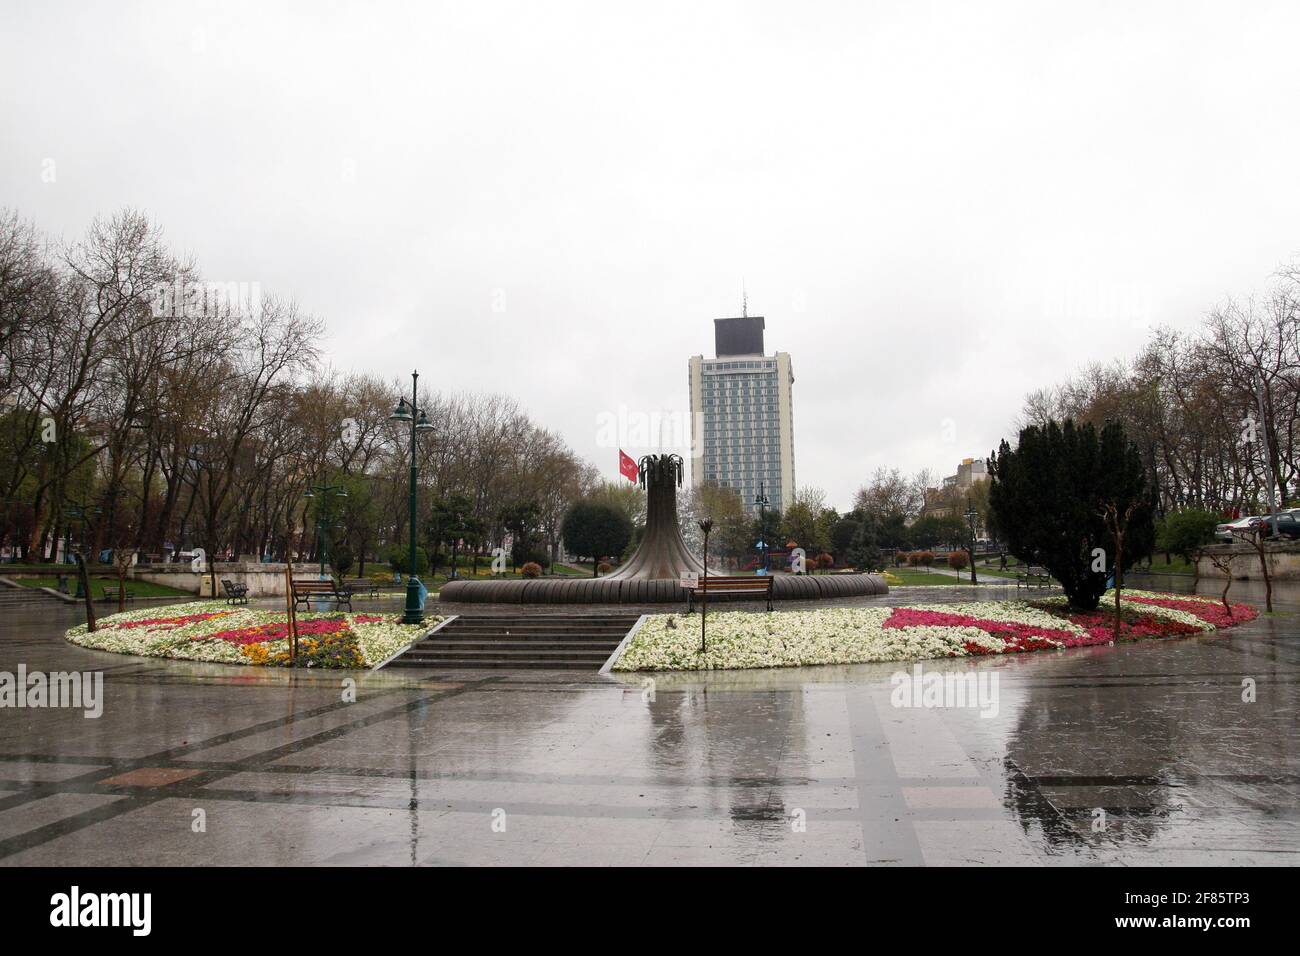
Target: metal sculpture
(662,554)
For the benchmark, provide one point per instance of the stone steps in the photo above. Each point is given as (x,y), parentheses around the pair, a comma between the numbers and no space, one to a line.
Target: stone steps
(21,597)
(551,641)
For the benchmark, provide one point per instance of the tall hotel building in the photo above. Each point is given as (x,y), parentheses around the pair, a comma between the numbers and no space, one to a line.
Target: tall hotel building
(740,401)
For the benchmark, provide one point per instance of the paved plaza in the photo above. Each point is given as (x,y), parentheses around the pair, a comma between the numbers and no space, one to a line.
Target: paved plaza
(1138,754)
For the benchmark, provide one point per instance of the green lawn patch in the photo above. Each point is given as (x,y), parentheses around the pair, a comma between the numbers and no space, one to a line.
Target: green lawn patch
(918,576)
(139,588)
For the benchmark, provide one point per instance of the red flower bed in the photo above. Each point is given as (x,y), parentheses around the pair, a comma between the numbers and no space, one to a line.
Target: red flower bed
(168,623)
(1018,637)
(278,631)
(1214,613)
(1100,625)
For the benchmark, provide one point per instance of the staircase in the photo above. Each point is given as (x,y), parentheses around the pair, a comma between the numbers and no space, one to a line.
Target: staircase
(22,599)
(558,641)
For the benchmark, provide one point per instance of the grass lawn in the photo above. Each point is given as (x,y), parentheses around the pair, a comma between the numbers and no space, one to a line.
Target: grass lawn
(1174,566)
(996,572)
(908,576)
(97,581)
(485,574)
(1158,566)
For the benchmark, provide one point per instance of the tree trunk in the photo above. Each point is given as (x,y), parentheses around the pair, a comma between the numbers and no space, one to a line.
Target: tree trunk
(85,589)
(1268,578)
(1119,571)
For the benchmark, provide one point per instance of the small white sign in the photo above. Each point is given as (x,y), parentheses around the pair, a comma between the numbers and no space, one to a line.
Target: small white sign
(690,579)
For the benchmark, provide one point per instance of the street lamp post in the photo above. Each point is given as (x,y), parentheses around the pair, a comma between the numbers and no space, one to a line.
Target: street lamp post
(761,500)
(419,423)
(706,525)
(971,515)
(322,531)
(80,513)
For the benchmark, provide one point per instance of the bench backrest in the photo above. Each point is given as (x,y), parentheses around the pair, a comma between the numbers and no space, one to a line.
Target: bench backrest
(314,587)
(725,582)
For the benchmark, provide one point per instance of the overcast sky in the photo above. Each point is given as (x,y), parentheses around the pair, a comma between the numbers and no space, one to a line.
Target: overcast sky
(937,206)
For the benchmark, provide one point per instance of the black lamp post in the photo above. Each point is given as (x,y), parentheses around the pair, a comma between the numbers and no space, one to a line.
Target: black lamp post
(706,525)
(419,423)
(80,513)
(971,515)
(762,501)
(322,528)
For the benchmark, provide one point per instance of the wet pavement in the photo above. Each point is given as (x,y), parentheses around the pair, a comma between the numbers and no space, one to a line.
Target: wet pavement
(1138,754)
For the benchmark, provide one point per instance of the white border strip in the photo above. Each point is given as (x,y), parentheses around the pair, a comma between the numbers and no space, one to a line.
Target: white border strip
(396,654)
(65,598)
(609,664)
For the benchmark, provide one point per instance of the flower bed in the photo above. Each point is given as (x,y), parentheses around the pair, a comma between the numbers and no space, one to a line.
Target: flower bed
(924,631)
(212,631)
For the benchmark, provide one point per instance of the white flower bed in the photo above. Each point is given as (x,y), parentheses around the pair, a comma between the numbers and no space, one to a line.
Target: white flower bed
(381,640)
(786,639)
(192,640)
(741,639)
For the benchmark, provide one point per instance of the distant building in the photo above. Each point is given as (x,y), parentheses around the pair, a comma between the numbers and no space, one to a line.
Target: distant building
(939,501)
(969,471)
(742,417)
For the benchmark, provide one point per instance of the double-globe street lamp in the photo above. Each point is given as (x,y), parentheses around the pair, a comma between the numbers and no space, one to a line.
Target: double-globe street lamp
(762,501)
(971,516)
(322,528)
(419,423)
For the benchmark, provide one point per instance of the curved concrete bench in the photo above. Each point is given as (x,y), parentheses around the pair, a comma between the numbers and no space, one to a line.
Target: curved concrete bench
(785,587)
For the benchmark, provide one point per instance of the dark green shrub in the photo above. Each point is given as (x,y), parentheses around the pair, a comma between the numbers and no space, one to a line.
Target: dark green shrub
(1049,496)
(399,559)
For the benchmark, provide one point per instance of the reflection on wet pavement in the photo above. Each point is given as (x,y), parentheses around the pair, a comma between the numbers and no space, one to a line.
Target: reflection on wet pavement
(1139,754)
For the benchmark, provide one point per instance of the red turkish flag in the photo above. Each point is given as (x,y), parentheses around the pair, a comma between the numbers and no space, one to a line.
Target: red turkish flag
(627,466)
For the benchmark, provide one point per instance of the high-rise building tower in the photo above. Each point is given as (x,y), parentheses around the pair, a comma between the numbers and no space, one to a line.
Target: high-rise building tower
(742,418)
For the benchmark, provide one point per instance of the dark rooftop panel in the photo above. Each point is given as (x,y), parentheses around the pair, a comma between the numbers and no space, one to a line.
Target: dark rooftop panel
(739,336)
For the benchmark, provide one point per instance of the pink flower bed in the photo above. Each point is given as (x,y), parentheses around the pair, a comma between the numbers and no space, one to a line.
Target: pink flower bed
(1100,625)
(1214,613)
(1017,637)
(1089,628)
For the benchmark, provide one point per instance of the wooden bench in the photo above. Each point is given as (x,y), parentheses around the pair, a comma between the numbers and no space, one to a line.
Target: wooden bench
(306,591)
(235,593)
(1033,577)
(111,594)
(364,586)
(730,584)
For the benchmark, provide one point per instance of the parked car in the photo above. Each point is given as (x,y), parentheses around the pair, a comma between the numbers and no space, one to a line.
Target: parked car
(1288,525)
(1224,532)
